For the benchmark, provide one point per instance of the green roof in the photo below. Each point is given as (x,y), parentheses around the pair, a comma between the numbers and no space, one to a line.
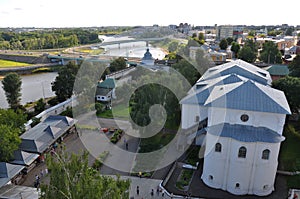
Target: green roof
(281,70)
(108,83)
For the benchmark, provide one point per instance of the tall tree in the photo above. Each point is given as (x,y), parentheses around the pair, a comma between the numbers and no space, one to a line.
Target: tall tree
(117,64)
(294,67)
(249,51)
(201,36)
(72,178)
(247,54)
(290,86)
(9,142)
(223,44)
(13,119)
(12,86)
(64,82)
(289,31)
(235,47)
(229,40)
(270,53)
(173,46)
(40,105)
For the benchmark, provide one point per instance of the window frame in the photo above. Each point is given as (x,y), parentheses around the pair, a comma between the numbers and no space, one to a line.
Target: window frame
(265,155)
(218,147)
(242,153)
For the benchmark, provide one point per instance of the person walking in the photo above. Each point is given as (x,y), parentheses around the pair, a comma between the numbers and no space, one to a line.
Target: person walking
(137,190)
(152,192)
(127,146)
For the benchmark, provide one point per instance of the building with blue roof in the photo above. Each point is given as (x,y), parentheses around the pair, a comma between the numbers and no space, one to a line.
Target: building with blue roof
(239,121)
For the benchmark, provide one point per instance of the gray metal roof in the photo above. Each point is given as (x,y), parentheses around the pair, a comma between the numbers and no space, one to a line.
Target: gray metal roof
(18,192)
(24,158)
(241,68)
(245,133)
(248,96)
(41,136)
(8,171)
(205,87)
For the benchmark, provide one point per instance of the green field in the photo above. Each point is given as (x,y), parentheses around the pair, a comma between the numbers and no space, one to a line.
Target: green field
(119,111)
(10,64)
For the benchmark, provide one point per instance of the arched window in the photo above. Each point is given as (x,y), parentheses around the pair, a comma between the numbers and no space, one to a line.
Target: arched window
(242,152)
(265,154)
(218,147)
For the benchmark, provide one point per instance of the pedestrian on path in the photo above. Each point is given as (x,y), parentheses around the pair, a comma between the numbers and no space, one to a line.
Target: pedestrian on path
(127,146)
(152,192)
(157,190)
(163,194)
(137,190)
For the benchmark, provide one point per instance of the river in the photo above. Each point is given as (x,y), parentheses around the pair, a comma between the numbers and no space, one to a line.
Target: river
(33,88)
(38,86)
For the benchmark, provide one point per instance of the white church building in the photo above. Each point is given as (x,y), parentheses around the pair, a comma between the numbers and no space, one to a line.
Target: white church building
(240,120)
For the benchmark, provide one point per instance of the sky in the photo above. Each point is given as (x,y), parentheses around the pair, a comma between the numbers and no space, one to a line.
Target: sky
(67,13)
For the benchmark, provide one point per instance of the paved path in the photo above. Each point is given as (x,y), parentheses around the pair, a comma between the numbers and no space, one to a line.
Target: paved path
(145,186)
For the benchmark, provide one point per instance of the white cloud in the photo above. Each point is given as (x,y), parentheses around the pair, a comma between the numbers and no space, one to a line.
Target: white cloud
(46,13)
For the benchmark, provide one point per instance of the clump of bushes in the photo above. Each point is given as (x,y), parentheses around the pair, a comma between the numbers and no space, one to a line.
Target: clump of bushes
(116,136)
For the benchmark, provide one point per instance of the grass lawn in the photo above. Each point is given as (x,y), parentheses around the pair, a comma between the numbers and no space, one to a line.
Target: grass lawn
(118,111)
(185,178)
(9,64)
(155,142)
(289,158)
(90,51)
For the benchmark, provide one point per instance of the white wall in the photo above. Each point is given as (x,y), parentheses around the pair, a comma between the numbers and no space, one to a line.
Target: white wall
(252,172)
(189,113)
(272,121)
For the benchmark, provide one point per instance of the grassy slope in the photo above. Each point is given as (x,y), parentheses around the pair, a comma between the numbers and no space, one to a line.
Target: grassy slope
(290,154)
(9,64)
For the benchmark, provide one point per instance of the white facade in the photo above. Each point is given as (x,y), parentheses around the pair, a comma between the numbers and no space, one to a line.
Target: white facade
(108,97)
(250,175)
(192,114)
(245,121)
(272,121)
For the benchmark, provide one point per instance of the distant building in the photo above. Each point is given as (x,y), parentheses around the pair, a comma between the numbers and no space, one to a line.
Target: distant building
(278,71)
(239,122)
(105,90)
(224,32)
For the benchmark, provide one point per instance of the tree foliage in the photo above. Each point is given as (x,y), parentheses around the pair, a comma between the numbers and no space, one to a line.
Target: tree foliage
(235,47)
(270,53)
(294,67)
(13,119)
(223,44)
(152,94)
(46,39)
(290,86)
(289,31)
(173,46)
(71,177)
(40,106)
(12,86)
(229,40)
(64,82)
(249,52)
(117,64)
(9,142)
